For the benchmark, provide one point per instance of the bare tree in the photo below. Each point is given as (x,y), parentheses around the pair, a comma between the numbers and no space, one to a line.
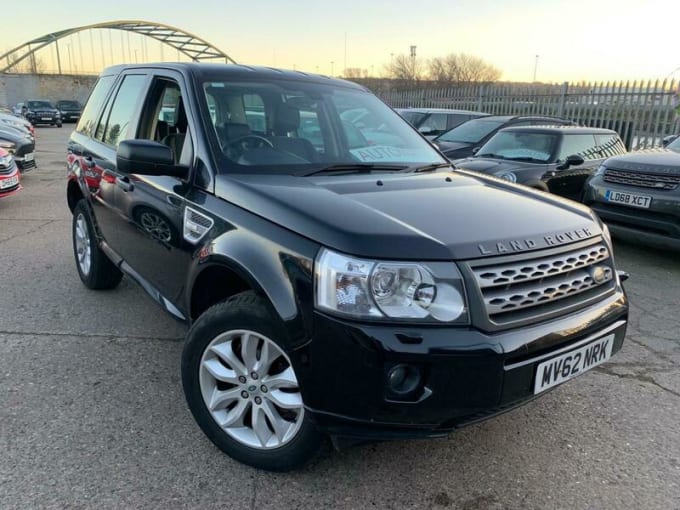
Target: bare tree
(353,72)
(462,68)
(405,68)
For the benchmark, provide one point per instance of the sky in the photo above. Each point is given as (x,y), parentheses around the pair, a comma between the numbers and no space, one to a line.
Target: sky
(575,40)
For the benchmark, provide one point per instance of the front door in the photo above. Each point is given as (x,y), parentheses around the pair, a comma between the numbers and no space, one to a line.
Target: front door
(152,207)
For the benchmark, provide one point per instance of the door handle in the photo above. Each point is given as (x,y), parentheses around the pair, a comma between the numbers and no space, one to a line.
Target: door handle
(124,183)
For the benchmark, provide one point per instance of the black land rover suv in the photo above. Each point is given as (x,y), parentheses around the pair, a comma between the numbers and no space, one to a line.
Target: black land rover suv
(333,287)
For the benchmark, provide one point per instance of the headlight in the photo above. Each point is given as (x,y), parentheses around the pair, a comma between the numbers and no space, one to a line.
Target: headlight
(5,161)
(508,176)
(10,146)
(367,289)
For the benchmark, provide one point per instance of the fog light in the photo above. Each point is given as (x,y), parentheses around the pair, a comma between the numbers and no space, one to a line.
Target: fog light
(403,379)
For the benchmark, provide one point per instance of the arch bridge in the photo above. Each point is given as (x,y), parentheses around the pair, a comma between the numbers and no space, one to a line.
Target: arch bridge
(189,45)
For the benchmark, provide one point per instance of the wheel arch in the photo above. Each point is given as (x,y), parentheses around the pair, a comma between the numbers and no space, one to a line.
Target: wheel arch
(219,277)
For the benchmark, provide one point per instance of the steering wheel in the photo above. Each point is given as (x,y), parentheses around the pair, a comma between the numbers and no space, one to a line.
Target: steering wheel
(249,142)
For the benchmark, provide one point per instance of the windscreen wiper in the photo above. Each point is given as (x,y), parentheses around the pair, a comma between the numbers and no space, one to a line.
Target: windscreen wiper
(356,167)
(434,166)
(490,155)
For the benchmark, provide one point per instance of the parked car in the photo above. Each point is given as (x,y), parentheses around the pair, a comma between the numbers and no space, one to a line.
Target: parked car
(19,109)
(549,158)
(357,292)
(668,139)
(638,196)
(69,110)
(432,122)
(463,141)
(20,145)
(672,143)
(10,180)
(42,112)
(18,123)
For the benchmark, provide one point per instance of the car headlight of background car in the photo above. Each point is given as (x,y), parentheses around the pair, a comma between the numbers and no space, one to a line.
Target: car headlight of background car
(9,146)
(401,291)
(508,176)
(5,161)
(600,170)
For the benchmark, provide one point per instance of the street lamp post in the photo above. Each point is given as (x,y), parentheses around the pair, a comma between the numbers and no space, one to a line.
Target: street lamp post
(535,68)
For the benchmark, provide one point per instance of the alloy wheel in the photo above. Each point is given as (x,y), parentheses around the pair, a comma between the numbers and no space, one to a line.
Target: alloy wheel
(83,247)
(250,389)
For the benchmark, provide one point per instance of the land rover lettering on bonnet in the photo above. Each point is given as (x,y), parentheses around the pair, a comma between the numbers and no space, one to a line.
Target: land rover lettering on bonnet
(339,281)
(531,244)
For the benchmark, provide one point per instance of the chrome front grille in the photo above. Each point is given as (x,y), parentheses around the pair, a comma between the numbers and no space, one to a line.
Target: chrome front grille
(526,290)
(656,181)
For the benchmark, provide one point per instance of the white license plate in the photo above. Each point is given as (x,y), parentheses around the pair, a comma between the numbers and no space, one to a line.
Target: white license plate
(45,118)
(562,368)
(9,183)
(631,199)
(29,157)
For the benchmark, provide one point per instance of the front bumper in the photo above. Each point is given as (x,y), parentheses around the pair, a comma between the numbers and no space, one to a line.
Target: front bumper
(10,181)
(44,118)
(659,225)
(70,116)
(468,375)
(25,157)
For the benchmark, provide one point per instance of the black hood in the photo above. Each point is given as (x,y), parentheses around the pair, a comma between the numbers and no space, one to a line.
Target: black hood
(438,216)
(658,162)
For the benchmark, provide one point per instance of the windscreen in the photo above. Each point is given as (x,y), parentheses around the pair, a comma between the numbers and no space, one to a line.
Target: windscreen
(39,104)
(297,127)
(471,131)
(520,146)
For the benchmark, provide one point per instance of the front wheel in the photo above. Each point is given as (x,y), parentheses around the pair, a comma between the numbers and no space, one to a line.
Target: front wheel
(94,268)
(242,388)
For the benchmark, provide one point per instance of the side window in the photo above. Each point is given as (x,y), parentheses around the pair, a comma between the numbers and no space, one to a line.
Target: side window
(310,128)
(118,118)
(164,119)
(610,145)
(88,119)
(254,108)
(455,119)
(436,122)
(580,145)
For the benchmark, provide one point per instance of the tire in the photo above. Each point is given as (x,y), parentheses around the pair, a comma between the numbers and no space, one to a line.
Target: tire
(100,273)
(241,319)
(59,125)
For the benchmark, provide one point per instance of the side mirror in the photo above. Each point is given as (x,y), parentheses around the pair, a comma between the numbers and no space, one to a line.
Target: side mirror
(573,160)
(146,157)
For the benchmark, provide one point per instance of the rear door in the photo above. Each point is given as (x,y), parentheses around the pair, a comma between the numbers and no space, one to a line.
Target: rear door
(117,122)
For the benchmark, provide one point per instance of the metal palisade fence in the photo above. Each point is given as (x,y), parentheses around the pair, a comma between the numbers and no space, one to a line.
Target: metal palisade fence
(641,112)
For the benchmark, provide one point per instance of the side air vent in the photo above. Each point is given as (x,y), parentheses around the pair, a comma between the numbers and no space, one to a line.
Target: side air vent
(196,225)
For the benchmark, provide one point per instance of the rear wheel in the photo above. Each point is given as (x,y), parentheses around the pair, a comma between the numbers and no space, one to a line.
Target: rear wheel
(94,268)
(242,388)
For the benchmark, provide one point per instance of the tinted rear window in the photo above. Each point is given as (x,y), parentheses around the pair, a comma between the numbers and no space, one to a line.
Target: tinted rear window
(88,119)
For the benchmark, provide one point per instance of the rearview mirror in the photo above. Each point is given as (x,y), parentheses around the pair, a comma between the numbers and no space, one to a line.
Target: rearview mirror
(146,157)
(425,130)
